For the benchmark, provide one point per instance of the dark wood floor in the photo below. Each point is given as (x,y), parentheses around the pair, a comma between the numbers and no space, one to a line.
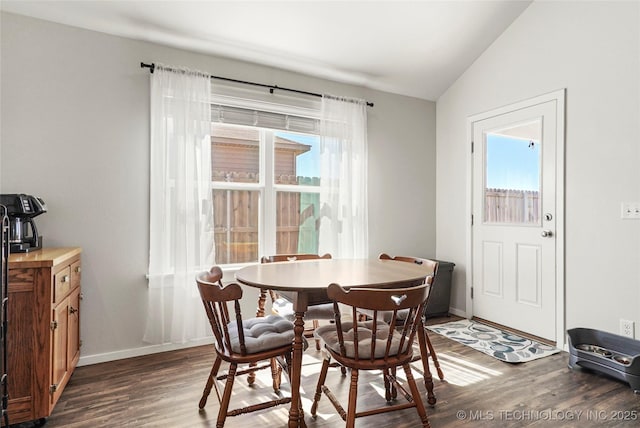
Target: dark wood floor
(163,390)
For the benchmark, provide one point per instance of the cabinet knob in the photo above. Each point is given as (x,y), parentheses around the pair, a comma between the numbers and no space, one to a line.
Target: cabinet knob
(65,278)
(78,269)
(72,310)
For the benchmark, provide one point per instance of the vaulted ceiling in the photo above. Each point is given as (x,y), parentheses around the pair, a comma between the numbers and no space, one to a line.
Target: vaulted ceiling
(414,48)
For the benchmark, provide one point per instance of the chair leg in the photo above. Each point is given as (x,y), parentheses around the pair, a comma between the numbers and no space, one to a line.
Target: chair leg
(321,379)
(262,298)
(286,366)
(394,390)
(315,326)
(387,384)
(276,375)
(287,359)
(210,381)
(433,355)
(416,396)
(226,396)
(424,357)
(353,396)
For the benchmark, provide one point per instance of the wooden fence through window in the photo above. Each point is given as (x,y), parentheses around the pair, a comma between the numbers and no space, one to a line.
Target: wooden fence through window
(236,217)
(512,206)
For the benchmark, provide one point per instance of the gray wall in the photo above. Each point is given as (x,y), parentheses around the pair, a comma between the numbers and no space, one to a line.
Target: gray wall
(593,50)
(75,131)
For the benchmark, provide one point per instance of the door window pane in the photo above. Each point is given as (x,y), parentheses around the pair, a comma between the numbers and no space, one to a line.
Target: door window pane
(512,174)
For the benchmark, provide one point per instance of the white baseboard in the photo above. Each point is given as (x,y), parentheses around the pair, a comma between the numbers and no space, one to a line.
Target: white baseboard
(86,360)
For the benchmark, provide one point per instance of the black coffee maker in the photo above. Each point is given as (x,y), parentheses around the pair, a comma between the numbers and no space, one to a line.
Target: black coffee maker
(21,209)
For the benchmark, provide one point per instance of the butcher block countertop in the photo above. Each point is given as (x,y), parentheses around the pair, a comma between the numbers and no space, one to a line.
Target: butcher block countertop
(43,257)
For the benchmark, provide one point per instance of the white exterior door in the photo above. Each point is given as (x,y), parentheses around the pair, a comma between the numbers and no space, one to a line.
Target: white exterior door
(515,218)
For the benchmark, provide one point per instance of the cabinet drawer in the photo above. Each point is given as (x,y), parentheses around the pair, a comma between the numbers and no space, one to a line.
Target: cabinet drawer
(75,274)
(61,284)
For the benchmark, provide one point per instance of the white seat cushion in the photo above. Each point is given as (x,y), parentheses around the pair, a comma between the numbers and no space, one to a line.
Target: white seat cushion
(261,334)
(329,335)
(284,308)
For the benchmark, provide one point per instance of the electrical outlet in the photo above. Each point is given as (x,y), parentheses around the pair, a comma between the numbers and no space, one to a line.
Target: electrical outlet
(630,210)
(627,328)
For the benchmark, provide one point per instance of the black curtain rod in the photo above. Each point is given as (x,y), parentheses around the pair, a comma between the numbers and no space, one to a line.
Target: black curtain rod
(271,88)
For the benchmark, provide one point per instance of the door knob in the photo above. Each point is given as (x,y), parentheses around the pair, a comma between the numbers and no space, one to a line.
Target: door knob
(546,233)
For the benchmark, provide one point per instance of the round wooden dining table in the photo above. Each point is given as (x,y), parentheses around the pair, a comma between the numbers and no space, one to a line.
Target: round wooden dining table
(305,282)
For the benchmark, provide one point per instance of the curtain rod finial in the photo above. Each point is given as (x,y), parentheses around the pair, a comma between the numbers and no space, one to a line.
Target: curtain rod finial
(151,66)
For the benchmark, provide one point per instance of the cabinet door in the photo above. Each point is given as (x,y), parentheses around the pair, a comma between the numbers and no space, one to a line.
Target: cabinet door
(74,329)
(60,328)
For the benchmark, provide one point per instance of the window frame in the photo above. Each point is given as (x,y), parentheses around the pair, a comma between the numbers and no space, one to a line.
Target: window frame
(268,190)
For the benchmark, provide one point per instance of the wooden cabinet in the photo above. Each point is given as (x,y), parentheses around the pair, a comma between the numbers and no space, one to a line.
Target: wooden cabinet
(43,340)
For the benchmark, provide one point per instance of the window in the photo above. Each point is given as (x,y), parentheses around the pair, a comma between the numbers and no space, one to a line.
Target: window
(512,175)
(266,191)
(266,170)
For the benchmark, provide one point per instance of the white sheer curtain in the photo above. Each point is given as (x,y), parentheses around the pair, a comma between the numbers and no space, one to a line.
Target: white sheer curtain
(343,184)
(181,209)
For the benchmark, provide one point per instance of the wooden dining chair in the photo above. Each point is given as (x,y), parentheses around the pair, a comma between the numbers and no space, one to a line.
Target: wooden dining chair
(380,343)
(283,307)
(239,341)
(426,348)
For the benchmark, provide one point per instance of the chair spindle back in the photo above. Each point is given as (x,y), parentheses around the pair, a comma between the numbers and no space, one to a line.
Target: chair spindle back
(399,339)
(215,298)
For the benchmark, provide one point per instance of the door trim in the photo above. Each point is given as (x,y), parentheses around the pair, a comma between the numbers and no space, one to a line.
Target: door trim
(559,97)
